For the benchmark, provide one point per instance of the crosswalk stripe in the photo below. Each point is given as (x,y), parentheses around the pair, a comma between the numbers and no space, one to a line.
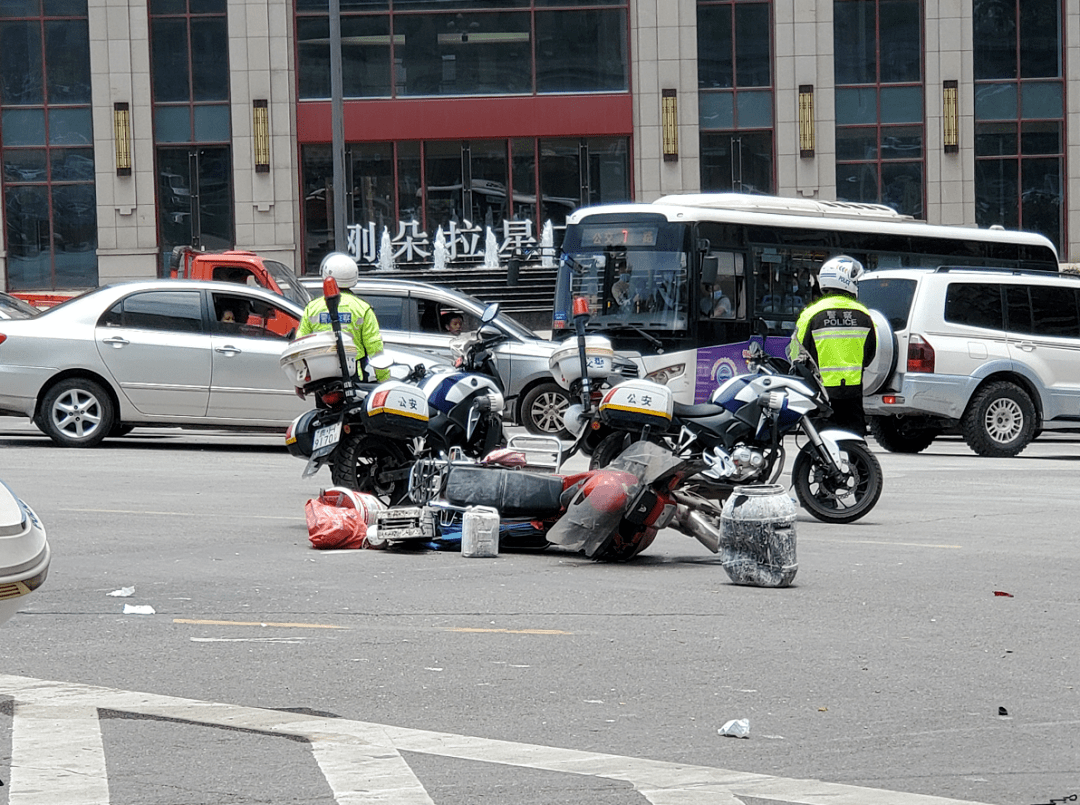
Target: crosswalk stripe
(361,761)
(57,755)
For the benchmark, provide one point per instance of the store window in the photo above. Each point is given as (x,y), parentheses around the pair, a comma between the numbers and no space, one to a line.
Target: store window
(50,205)
(408,191)
(1019,115)
(880,131)
(735,96)
(432,48)
(189,46)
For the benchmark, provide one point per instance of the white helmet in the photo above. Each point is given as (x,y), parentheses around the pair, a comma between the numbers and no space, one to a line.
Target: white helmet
(840,274)
(341,267)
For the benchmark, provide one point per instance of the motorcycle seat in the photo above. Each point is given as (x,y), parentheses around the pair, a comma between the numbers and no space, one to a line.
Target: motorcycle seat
(699,411)
(513,492)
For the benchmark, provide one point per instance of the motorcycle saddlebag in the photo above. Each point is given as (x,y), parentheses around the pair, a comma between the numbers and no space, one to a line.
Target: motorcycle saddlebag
(397,410)
(513,492)
(635,403)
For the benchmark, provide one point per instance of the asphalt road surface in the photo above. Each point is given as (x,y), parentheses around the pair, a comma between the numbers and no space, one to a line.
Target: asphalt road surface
(928,652)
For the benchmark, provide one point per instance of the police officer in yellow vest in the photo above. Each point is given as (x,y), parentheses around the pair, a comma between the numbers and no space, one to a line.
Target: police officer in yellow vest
(357,318)
(837,332)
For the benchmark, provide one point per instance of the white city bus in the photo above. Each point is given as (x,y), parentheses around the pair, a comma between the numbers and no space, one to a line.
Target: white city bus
(683,279)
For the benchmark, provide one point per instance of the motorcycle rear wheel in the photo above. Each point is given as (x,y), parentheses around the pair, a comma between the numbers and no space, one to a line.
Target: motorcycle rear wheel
(372,464)
(833,503)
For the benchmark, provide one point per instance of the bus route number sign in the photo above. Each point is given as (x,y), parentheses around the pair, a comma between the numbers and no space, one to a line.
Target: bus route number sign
(615,235)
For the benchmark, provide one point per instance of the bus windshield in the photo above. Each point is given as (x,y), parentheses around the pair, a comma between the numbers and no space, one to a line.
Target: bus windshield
(634,275)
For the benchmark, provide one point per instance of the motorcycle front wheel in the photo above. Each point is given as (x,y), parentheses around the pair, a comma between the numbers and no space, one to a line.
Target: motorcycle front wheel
(372,464)
(842,500)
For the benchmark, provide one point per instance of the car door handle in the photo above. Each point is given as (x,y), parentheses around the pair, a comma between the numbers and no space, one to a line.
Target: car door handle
(115,341)
(1027,346)
(228,349)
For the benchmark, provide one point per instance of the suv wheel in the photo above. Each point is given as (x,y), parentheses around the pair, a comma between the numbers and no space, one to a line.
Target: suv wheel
(542,410)
(902,434)
(999,421)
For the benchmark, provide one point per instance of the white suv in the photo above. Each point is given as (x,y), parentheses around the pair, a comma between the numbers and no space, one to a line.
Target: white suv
(993,353)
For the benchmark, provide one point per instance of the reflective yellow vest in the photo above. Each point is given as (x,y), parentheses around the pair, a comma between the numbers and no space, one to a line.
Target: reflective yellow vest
(838,327)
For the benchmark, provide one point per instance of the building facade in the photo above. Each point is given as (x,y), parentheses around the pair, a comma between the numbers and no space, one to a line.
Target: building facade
(130,127)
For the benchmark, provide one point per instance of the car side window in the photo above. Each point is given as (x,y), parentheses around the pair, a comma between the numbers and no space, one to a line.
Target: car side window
(235,314)
(1053,311)
(173,311)
(388,310)
(975,304)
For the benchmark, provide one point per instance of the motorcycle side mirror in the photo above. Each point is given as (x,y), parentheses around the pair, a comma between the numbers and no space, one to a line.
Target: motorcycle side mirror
(400,371)
(490,312)
(761,327)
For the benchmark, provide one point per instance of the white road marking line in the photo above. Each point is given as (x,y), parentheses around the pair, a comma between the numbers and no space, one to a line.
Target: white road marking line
(361,760)
(57,755)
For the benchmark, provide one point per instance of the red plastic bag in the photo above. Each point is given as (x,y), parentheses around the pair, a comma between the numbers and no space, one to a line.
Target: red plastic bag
(339,518)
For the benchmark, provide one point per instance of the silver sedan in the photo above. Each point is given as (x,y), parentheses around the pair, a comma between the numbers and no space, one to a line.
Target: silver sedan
(155,352)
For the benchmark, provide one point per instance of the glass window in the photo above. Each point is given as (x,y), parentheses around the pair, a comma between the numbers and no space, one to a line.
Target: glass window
(1054,311)
(464,54)
(49,201)
(1018,309)
(995,101)
(855,32)
(1040,39)
(994,39)
(581,51)
(21,78)
(169,38)
(878,75)
(753,37)
(716,58)
(389,310)
(1019,112)
(372,184)
(974,304)
(442,175)
(176,311)
(410,193)
(609,179)
(737,161)
(67,60)
(488,181)
(210,71)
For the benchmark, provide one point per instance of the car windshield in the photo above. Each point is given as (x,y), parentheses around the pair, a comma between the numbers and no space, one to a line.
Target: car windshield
(289,283)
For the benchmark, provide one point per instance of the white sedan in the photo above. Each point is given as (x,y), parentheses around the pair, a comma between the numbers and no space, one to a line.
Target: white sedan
(155,352)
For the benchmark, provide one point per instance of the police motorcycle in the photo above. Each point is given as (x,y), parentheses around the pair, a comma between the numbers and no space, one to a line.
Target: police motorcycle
(740,434)
(609,514)
(371,434)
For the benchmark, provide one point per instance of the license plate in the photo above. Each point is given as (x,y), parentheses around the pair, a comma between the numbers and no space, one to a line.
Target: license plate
(326,437)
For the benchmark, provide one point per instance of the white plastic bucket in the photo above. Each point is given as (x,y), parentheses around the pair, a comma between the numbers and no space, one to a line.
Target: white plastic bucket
(480,532)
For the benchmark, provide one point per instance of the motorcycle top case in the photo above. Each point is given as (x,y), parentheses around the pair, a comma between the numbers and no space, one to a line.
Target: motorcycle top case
(314,357)
(397,410)
(565,362)
(635,403)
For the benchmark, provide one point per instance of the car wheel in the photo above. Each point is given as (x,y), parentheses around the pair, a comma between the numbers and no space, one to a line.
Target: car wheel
(542,410)
(902,434)
(999,421)
(77,412)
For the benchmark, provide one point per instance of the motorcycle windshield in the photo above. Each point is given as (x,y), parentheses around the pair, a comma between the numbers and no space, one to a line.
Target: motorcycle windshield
(606,495)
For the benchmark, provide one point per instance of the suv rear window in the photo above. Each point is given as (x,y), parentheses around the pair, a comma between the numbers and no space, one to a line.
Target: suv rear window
(891,296)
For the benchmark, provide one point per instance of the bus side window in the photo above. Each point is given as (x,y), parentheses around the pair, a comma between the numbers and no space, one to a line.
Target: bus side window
(725,296)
